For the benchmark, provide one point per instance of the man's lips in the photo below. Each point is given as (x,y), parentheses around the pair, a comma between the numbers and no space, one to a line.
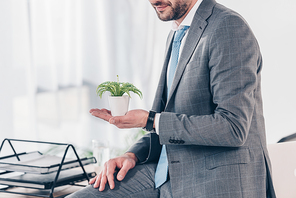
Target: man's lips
(161,8)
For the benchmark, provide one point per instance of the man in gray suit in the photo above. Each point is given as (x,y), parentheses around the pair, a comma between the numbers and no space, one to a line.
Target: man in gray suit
(206,121)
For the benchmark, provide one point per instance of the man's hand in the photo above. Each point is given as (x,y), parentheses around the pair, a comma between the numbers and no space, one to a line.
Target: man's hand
(125,162)
(101,113)
(132,119)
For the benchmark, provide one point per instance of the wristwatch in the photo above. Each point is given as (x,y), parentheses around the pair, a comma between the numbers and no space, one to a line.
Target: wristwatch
(150,121)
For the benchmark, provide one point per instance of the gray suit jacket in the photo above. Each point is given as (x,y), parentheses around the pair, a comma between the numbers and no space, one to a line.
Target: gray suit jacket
(212,123)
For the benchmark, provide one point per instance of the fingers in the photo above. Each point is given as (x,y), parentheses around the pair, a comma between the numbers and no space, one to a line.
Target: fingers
(122,173)
(100,110)
(123,122)
(103,182)
(99,180)
(110,174)
(106,111)
(133,119)
(101,113)
(92,180)
(106,175)
(96,180)
(127,164)
(124,163)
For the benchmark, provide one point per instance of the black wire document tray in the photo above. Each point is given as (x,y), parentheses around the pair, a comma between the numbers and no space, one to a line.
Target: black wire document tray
(36,162)
(44,181)
(38,171)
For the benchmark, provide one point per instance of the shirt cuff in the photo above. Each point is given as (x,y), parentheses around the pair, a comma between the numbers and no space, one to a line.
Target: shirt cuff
(156,120)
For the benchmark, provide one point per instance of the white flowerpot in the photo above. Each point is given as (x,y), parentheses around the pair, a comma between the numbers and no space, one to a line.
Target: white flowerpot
(119,105)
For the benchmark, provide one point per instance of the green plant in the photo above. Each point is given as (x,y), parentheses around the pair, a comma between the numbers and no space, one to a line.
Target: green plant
(117,88)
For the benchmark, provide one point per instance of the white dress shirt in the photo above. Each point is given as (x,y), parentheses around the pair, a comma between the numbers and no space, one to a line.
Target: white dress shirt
(186,22)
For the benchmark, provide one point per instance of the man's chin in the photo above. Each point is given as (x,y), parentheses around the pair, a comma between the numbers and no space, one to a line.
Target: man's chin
(164,17)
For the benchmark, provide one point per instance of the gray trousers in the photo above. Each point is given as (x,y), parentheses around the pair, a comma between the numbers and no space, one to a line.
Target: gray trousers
(139,182)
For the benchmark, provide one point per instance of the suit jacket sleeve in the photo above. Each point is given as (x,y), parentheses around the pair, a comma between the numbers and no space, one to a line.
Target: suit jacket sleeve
(147,149)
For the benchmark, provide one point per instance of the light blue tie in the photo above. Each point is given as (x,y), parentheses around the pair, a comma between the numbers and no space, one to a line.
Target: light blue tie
(162,166)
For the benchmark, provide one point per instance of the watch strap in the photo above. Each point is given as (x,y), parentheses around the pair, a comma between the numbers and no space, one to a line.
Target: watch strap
(150,121)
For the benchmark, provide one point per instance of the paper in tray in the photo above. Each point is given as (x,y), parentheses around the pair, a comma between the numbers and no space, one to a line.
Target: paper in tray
(35,162)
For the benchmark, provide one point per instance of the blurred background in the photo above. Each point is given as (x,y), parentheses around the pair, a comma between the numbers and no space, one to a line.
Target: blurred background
(54,53)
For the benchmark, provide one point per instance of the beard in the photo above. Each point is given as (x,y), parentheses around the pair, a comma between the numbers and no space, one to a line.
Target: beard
(173,12)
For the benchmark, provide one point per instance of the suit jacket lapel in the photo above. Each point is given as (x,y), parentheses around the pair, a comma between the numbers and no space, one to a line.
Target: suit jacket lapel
(195,32)
(160,97)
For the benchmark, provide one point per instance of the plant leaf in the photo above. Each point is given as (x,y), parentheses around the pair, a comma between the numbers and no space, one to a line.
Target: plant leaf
(117,88)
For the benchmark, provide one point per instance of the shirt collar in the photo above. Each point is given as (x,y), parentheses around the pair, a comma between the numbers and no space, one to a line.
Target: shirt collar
(188,19)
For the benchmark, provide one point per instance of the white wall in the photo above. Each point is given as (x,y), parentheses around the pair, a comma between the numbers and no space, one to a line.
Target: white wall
(274,24)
